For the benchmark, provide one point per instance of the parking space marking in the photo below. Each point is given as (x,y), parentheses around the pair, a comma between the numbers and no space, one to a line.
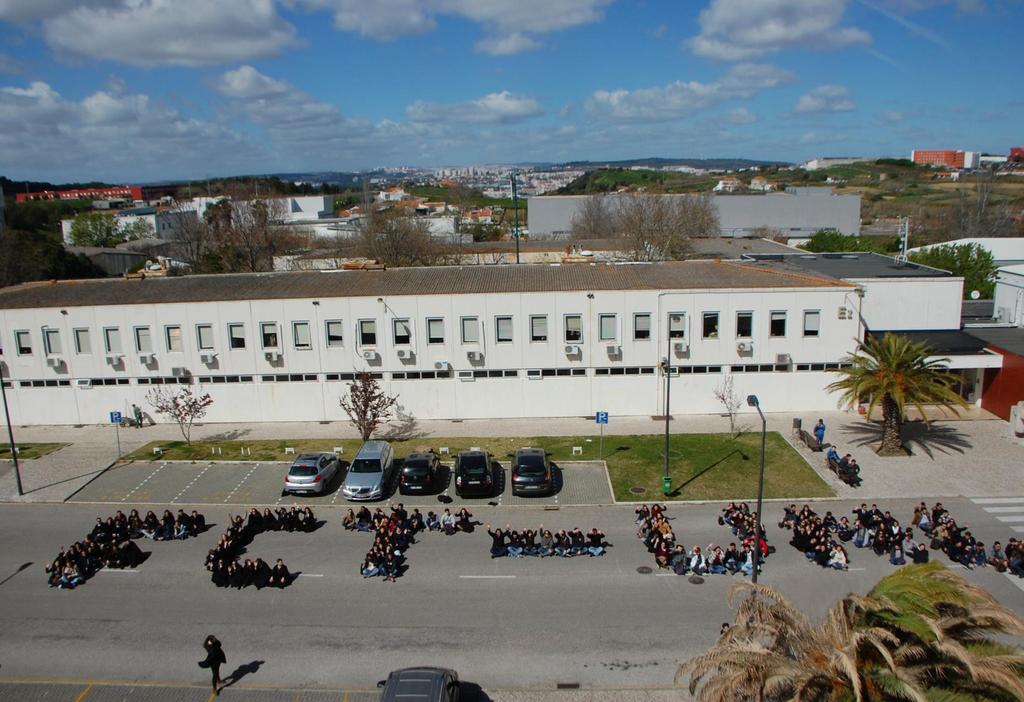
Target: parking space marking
(240,483)
(193,482)
(487,577)
(132,491)
(311,575)
(83,693)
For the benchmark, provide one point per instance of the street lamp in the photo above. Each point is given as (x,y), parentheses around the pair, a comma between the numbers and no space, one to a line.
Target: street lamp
(752,401)
(10,432)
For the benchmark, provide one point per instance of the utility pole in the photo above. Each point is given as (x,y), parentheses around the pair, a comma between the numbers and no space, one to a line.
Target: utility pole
(515,206)
(10,432)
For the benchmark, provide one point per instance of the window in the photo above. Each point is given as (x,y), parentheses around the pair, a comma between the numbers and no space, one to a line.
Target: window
(470,330)
(402,331)
(173,335)
(301,336)
(335,333)
(204,337)
(143,341)
(812,322)
(367,332)
(539,328)
(236,336)
(777,326)
(744,325)
(112,340)
(573,328)
(51,342)
(83,344)
(503,330)
(677,325)
(435,331)
(710,326)
(641,327)
(268,333)
(607,327)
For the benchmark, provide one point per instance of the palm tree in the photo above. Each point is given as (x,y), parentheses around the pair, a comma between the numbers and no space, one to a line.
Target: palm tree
(922,634)
(895,372)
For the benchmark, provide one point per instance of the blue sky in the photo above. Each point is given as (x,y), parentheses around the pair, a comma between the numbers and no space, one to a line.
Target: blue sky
(138,90)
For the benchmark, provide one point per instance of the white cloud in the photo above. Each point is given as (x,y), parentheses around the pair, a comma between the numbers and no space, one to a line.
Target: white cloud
(737,30)
(684,98)
(892,116)
(825,98)
(741,115)
(514,43)
(246,83)
(158,32)
(495,108)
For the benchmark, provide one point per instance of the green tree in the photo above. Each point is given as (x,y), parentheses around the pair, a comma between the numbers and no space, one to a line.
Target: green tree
(27,256)
(95,229)
(895,372)
(829,240)
(971,261)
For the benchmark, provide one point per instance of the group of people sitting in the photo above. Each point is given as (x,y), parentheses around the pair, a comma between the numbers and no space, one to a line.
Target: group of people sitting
(448,523)
(819,538)
(393,534)
(110,544)
(743,524)
(845,466)
(517,543)
(656,533)
(961,547)
(223,560)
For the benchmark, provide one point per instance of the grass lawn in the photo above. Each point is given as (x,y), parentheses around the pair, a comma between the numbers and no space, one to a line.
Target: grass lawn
(26,451)
(703,466)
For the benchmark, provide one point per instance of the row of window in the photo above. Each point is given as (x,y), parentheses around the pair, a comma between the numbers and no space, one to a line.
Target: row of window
(471,329)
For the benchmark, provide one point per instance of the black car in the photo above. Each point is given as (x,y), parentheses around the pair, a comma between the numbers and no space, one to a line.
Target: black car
(420,685)
(473,475)
(420,472)
(531,473)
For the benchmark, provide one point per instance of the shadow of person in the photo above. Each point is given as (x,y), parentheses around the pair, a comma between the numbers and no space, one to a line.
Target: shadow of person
(241,671)
(472,692)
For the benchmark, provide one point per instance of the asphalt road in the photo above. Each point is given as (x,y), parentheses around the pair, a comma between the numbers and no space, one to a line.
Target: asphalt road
(506,623)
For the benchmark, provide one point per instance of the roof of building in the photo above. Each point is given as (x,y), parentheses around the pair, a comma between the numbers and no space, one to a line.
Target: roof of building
(940,342)
(1003,248)
(445,280)
(974,310)
(1006,338)
(855,265)
(714,247)
(1015,270)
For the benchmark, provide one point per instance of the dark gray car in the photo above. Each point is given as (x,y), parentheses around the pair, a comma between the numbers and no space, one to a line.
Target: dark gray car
(420,685)
(531,473)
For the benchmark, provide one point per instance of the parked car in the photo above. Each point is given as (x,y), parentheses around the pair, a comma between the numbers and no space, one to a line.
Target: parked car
(420,472)
(371,472)
(473,474)
(311,473)
(420,685)
(531,473)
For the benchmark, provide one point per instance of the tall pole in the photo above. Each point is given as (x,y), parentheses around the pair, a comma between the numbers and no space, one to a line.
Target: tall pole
(755,403)
(515,206)
(666,480)
(10,433)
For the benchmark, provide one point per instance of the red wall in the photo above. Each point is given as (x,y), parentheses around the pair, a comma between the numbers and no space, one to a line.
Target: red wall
(1003,387)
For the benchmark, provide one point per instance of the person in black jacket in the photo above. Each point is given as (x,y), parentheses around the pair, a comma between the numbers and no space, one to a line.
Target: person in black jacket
(214,660)
(497,542)
(279,575)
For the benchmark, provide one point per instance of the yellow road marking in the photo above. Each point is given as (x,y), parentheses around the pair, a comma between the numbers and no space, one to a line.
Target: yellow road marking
(345,698)
(83,693)
(212,697)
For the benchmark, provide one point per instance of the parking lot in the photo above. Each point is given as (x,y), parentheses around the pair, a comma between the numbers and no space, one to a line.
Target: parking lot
(577,483)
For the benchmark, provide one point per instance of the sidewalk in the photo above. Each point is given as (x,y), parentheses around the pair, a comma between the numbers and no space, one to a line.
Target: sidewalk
(971,458)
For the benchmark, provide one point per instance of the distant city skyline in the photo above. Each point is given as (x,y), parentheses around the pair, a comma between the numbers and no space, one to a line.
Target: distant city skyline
(144,90)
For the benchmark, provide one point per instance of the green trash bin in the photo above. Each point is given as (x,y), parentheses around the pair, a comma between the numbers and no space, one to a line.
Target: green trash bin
(666,484)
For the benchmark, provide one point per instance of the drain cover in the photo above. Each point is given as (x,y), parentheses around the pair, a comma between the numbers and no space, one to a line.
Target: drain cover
(637,490)
(645,570)
(696,580)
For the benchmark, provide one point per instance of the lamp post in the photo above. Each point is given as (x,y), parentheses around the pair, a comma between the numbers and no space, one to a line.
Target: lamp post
(666,479)
(752,401)
(10,432)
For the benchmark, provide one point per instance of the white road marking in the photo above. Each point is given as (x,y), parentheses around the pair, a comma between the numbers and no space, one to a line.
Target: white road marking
(1019,530)
(997,500)
(1015,518)
(132,491)
(487,577)
(240,482)
(1019,582)
(193,482)
(311,575)
(855,569)
(118,570)
(999,510)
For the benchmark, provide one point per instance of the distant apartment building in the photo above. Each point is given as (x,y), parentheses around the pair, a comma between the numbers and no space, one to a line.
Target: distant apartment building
(114,192)
(948,158)
(729,184)
(828,161)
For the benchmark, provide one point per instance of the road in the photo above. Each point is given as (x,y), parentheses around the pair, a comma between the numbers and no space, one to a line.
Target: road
(506,623)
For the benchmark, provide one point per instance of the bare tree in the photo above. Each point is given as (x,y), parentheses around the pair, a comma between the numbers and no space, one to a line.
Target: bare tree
(182,406)
(398,240)
(660,227)
(366,405)
(595,219)
(978,214)
(726,394)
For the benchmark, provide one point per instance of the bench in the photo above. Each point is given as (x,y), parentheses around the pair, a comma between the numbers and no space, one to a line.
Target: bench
(810,440)
(847,476)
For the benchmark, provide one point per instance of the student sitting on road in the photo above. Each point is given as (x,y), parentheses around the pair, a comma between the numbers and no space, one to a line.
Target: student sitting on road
(563,545)
(748,561)
(679,560)
(416,523)
(698,565)
(1015,557)
(715,560)
(731,559)
(433,522)
(464,521)
(596,541)
(896,557)
(279,575)
(578,542)
(998,558)
(920,554)
(391,566)
(448,522)
(979,558)
(529,537)
(371,566)
(70,578)
(348,522)
(546,542)
(662,552)
(516,546)
(838,558)
(498,548)
(642,512)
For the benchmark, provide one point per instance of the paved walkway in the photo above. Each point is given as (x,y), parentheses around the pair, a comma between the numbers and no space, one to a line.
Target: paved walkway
(974,457)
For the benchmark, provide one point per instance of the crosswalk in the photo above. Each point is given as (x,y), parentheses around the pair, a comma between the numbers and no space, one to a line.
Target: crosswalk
(1009,511)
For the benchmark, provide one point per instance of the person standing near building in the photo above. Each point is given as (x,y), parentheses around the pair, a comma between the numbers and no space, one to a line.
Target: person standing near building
(819,431)
(137,414)
(214,660)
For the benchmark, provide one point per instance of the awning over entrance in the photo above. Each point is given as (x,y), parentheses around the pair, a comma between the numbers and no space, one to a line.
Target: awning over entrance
(963,350)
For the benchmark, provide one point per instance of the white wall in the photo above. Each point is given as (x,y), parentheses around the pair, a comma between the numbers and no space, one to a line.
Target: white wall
(911,303)
(1009,296)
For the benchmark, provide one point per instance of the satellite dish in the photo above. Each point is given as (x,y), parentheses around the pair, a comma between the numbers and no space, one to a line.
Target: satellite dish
(975,294)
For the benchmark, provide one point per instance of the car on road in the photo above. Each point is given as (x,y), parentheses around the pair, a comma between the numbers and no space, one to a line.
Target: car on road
(311,473)
(420,474)
(420,685)
(473,474)
(531,473)
(371,472)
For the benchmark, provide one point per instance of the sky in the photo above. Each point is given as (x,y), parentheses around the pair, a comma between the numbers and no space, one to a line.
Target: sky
(147,90)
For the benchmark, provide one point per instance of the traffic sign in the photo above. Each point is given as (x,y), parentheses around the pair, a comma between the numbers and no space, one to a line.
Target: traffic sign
(115,417)
(601,417)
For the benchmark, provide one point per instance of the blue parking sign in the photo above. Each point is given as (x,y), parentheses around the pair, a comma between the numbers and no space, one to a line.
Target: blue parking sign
(115,417)
(601,417)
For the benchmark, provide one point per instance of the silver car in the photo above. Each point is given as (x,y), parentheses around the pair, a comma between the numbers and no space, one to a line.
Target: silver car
(370,473)
(311,473)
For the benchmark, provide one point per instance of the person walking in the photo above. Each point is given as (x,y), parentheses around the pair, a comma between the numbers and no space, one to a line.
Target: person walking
(819,431)
(137,414)
(214,660)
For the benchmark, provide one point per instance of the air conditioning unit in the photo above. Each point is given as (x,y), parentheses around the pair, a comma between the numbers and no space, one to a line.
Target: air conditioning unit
(179,372)
(783,359)
(54,361)
(440,365)
(272,356)
(571,349)
(83,383)
(405,354)
(613,349)
(681,346)
(208,358)
(369,354)
(745,346)
(475,356)
(113,359)
(146,358)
